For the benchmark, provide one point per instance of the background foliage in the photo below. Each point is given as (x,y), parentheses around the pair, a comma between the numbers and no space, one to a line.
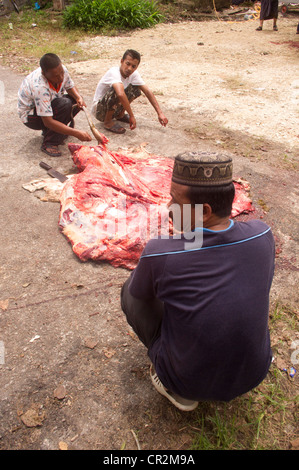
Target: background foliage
(92,15)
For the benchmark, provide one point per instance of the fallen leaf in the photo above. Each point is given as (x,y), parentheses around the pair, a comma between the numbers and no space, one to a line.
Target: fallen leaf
(4,304)
(109,352)
(60,392)
(295,444)
(132,334)
(63,445)
(90,343)
(281,364)
(32,418)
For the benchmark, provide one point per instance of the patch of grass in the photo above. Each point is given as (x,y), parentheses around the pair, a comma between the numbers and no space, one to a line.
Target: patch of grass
(285,313)
(255,421)
(289,161)
(264,418)
(35,33)
(92,15)
(263,205)
(26,36)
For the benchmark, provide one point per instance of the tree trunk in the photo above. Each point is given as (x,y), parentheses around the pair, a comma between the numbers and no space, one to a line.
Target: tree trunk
(59,5)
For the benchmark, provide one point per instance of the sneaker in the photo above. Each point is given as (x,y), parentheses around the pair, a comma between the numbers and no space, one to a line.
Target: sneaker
(181,403)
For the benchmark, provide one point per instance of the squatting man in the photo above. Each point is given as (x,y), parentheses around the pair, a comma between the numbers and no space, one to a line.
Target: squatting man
(202,313)
(117,89)
(48,101)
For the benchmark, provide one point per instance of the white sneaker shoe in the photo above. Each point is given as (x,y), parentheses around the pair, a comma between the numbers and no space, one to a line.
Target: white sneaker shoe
(180,402)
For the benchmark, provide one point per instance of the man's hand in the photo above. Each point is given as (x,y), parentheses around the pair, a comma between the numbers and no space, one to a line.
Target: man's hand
(81,102)
(61,128)
(82,135)
(162,119)
(132,123)
(152,99)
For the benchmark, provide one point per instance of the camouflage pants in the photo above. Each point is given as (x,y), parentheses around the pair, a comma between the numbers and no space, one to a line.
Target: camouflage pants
(111,102)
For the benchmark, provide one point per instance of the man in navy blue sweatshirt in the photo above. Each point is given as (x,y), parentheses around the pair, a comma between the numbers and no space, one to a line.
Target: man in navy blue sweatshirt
(202,309)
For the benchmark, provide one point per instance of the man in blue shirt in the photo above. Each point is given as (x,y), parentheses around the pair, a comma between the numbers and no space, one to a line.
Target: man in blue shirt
(202,310)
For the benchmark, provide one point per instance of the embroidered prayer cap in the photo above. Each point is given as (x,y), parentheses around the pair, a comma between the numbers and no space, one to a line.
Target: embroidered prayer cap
(203,169)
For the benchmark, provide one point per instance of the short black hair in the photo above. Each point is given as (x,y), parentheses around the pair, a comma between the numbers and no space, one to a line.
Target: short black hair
(134,54)
(49,61)
(220,198)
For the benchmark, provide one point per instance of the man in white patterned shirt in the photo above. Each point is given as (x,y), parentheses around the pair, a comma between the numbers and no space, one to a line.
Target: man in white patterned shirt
(46,99)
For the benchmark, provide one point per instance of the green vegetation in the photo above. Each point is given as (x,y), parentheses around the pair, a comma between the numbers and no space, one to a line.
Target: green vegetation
(25,37)
(266,417)
(92,15)
(256,421)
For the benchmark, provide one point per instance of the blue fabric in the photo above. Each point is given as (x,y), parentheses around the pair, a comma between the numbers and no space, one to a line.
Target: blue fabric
(214,342)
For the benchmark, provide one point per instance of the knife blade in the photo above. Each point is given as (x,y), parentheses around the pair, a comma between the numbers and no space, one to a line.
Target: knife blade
(52,172)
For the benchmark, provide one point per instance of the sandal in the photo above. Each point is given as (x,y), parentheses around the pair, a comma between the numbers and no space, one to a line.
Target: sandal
(275,28)
(259,28)
(116,128)
(51,150)
(125,118)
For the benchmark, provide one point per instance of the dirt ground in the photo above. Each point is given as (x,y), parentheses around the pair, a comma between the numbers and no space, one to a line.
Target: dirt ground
(73,375)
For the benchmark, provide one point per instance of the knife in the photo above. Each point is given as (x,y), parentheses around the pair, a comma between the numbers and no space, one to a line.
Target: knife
(53,173)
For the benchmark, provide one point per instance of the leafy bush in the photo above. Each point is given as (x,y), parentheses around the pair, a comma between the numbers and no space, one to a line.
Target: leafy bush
(92,15)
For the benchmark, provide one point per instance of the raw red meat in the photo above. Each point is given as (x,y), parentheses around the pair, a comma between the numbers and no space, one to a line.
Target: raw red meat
(242,203)
(117,202)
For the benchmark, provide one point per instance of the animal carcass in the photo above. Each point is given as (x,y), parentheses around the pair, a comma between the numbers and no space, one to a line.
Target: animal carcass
(117,202)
